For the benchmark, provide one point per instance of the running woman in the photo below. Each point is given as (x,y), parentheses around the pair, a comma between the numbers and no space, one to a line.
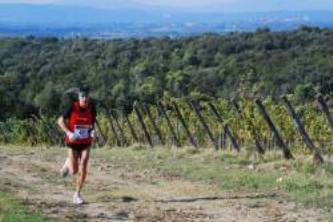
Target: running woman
(78,123)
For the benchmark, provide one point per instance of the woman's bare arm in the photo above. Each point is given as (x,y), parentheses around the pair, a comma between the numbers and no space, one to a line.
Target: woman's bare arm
(61,123)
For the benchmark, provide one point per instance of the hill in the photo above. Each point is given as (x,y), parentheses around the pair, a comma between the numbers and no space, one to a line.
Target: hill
(34,72)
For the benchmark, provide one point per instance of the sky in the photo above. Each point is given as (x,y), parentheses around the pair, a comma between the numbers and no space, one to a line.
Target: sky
(196,5)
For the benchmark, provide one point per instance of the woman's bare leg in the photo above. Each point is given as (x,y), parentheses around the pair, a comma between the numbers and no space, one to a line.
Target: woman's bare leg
(73,161)
(83,165)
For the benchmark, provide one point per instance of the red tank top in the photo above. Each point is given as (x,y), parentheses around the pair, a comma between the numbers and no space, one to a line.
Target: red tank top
(81,123)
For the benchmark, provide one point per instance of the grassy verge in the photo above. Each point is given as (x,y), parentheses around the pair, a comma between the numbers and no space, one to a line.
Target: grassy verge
(299,179)
(12,210)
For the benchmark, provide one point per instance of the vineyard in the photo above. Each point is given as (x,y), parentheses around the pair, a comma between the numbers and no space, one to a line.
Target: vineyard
(247,124)
(170,171)
(209,127)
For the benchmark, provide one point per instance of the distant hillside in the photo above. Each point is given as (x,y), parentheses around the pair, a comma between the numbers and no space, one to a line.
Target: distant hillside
(41,20)
(35,72)
(46,15)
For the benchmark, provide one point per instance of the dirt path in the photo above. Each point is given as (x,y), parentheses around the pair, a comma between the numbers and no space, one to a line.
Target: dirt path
(114,192)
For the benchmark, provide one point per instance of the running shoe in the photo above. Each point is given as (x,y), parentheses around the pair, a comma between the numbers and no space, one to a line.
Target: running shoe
(77,199)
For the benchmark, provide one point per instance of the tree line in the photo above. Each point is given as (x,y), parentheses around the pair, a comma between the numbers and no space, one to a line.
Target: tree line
(36,72)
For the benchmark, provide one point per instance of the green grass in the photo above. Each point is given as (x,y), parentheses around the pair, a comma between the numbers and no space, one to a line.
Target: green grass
(12,210)
(301,180)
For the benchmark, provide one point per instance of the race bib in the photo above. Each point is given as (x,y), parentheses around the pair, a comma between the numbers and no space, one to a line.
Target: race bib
(82,131)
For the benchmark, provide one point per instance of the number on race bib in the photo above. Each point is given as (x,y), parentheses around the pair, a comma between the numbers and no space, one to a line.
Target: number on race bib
(82,131)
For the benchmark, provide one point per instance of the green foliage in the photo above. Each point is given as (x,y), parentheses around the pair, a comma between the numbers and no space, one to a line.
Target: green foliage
(32,131)
(48,100)
(35,72)
(244,126)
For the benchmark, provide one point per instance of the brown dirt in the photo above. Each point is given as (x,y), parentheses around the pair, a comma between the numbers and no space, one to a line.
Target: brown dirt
(115,192)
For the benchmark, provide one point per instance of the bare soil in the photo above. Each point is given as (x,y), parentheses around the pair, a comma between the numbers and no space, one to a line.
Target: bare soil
(116,192)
